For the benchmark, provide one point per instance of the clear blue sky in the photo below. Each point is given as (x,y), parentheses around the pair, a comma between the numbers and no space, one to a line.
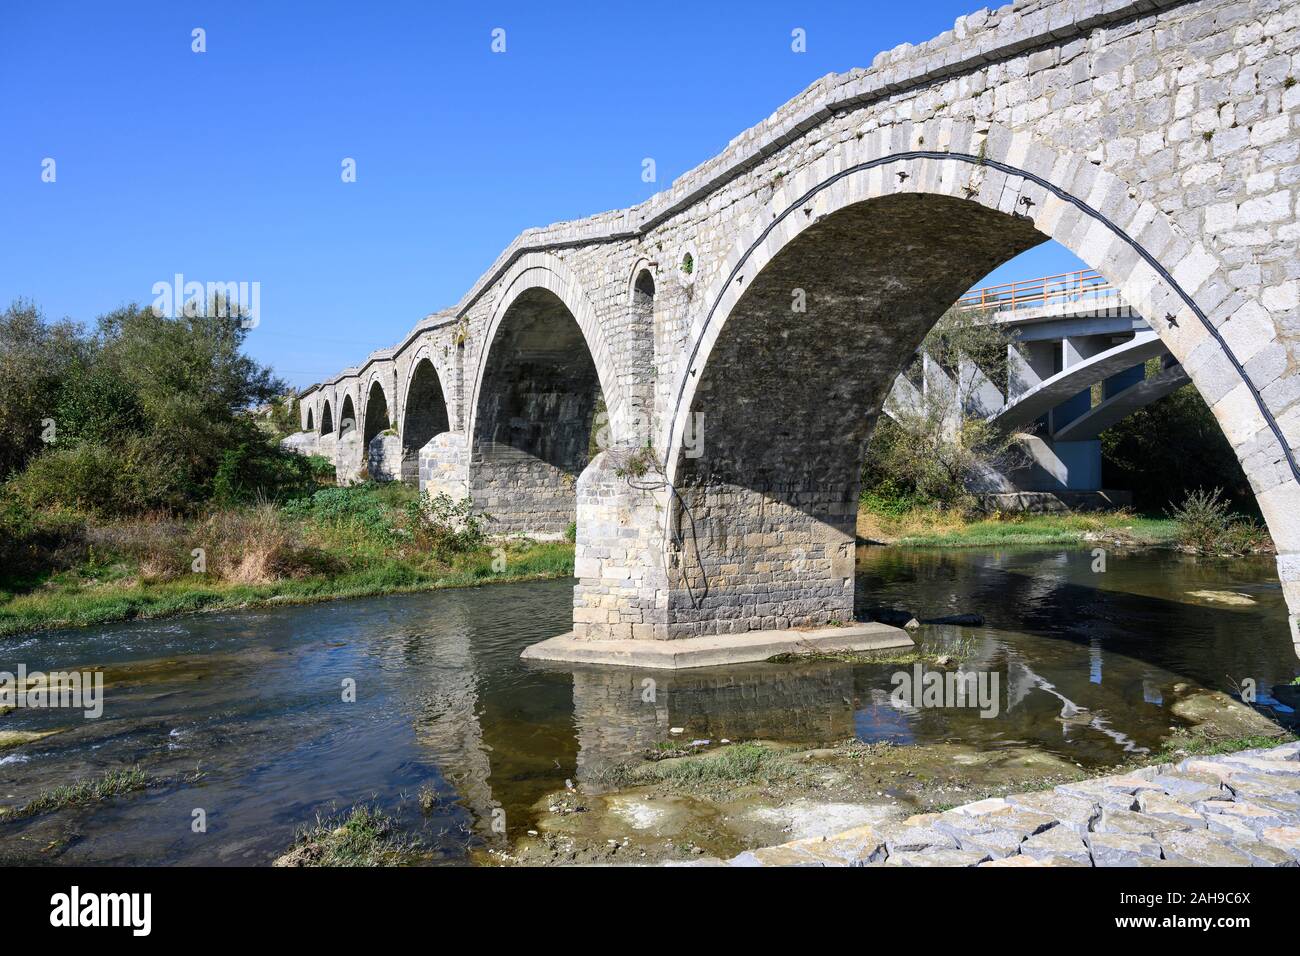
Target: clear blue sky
(225,165)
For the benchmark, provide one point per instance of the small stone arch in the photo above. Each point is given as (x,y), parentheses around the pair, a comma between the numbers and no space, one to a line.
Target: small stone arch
(326,419)
(425,412)
(347,423)
(377,418)
(539,270)
(311,426)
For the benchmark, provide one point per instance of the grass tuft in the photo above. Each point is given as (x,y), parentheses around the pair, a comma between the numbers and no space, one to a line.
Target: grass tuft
(81,794)
(365,836)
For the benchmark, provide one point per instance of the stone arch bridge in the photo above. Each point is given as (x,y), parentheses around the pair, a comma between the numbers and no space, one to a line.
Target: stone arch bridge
(739,332)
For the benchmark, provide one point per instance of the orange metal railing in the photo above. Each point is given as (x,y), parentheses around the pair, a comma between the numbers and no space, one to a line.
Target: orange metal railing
(1082,286)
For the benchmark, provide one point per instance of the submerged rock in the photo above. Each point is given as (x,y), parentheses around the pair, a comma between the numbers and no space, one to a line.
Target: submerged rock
(1235,598)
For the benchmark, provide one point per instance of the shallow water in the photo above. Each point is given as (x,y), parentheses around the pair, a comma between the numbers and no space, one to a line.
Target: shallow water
(254,700)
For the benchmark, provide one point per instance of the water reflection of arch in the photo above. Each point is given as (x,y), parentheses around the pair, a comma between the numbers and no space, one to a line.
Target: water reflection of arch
(447,720)
(617,716)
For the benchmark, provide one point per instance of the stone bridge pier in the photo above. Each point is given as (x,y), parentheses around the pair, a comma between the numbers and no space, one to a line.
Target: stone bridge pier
(692,381)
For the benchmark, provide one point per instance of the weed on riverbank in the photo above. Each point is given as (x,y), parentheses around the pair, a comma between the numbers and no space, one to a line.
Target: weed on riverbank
(364,836)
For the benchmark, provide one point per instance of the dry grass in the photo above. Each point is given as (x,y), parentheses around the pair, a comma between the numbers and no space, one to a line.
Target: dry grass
(257,545)
(932,528)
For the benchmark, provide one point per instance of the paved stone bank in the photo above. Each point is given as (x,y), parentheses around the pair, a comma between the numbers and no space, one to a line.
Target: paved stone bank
(1240,809)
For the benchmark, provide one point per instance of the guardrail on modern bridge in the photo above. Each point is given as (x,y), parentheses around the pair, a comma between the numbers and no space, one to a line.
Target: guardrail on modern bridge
(1068,287)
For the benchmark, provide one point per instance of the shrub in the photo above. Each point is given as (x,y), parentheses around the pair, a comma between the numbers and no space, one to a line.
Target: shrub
(130,476)
(256,545)
(254,470)
(322,469)
(934,450)
(1206,524)
(1181,433)
(447,527)
(889,499)
(34,541)
(356,507)
(159,543)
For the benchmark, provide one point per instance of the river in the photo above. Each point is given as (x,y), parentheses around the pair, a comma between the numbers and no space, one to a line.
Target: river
(243,715)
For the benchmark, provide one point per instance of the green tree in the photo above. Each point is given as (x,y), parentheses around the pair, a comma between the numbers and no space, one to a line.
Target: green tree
(1181,434)
(35,358)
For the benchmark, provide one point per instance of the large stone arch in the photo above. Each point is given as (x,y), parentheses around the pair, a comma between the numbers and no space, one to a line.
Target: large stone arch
(800,547)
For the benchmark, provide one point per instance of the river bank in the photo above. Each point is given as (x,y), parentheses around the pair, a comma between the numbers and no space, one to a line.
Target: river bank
(938,529)
(357,542)
(1236,809)
(353,542)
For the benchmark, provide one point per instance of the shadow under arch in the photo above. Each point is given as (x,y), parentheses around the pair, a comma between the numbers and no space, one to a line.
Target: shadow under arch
(761,527)
(347,416)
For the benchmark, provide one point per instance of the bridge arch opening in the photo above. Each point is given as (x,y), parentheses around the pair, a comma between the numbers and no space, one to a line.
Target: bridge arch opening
(424,416)
(310,422)
(766,505)
(760,530)
(533,431)
(326,419)
(347,417)
(376,413)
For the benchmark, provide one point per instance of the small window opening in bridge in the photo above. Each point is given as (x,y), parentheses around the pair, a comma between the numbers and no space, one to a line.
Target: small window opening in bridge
(688,264)
(643,291)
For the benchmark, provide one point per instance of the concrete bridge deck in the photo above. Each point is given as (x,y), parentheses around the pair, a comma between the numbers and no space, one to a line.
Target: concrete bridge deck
(733,339)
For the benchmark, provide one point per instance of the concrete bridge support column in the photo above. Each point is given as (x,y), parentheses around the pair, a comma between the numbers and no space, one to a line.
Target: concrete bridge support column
(1117,383)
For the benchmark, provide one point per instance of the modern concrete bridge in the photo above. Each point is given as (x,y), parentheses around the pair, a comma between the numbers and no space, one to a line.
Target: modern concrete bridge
(1071,332)
(742,329)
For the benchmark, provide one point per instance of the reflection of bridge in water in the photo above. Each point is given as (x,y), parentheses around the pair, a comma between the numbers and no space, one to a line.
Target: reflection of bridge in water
(1072,332)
